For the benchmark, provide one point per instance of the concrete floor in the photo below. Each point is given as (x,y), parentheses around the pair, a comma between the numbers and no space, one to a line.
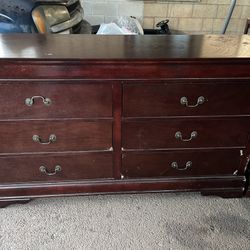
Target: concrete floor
(148,222)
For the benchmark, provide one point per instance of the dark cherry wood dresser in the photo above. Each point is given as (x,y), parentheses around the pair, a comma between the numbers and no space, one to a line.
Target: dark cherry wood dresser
(117,114)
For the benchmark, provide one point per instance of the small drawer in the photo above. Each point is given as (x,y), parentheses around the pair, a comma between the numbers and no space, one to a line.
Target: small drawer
(181,163)
(55,100)
(56,167)
(55,136)
(186,99)
(185,133)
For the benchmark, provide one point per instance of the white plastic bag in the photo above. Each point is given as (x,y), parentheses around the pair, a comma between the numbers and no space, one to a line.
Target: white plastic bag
(121,26)
(112,29)
(130,23)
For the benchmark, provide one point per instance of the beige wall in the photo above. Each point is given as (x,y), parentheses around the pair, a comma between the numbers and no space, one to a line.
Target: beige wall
(206,16)
(100,11)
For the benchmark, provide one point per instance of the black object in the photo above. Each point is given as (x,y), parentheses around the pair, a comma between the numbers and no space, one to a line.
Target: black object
(163,25)
(164,29)
(15,16)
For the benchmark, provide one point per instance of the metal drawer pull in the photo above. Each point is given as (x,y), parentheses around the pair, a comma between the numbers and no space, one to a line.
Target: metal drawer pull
(178,135)
(37,138)
(43,170)
(30,101)
(184,101)
(175,166)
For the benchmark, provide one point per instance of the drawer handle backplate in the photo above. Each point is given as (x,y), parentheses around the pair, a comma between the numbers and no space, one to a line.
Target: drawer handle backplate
(178,135)
(37,138)
(175,166)
(30,101)
(43,170)
(200,101)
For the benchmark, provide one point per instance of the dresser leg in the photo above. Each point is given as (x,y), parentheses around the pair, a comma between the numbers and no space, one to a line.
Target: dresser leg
(6,203)
(224,194)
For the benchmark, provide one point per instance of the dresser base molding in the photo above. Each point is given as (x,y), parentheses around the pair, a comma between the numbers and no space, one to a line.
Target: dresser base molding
(8,202)
(207,186)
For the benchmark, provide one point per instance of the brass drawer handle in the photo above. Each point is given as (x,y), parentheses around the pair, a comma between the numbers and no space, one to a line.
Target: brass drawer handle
(178,135)
(37,138)
(30,101)
(43,170)
(175,166)
(200,101)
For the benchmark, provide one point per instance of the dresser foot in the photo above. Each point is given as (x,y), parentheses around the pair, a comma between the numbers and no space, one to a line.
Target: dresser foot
(247,194)
(6,203)
(224,194)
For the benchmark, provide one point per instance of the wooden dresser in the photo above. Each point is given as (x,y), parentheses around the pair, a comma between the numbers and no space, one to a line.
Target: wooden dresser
(108,114)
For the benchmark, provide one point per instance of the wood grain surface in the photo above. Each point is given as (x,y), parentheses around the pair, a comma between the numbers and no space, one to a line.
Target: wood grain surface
(115,109)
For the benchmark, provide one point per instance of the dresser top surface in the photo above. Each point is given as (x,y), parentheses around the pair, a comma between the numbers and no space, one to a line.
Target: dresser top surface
(92,47)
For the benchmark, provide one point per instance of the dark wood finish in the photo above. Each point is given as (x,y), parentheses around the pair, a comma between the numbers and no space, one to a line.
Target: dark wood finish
(36,190)
(115,96)
(160,134)
(246,164)
(117,99)
(247,27)
(106,48)
(71,135)
(73,167)
(146,68)
(204,163)
(148,99)
(124,57)
(71,99)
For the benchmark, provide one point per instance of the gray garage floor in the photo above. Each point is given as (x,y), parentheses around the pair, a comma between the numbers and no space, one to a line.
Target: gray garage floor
(149,221)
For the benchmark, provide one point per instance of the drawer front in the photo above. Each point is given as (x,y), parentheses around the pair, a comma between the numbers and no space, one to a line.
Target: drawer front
(57,167)
(149,100)
(55,136)
(55,100)
(181,163)
(185,133)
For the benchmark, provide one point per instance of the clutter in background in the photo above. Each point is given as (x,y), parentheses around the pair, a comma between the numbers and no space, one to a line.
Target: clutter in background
(121,26)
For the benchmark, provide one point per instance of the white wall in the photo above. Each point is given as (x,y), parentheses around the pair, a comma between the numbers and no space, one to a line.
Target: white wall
(99,11)
(201,16)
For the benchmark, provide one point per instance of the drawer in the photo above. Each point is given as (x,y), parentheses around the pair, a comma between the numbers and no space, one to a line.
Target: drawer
(181,163)
(55,136)
(56,167)
(55,100)
(185,133)
(186,99)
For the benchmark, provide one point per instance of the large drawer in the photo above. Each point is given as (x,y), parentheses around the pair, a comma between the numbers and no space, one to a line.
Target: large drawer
(55,99)
(186,99)
(181,163)
(55,136)
(185,133)
(56,167)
